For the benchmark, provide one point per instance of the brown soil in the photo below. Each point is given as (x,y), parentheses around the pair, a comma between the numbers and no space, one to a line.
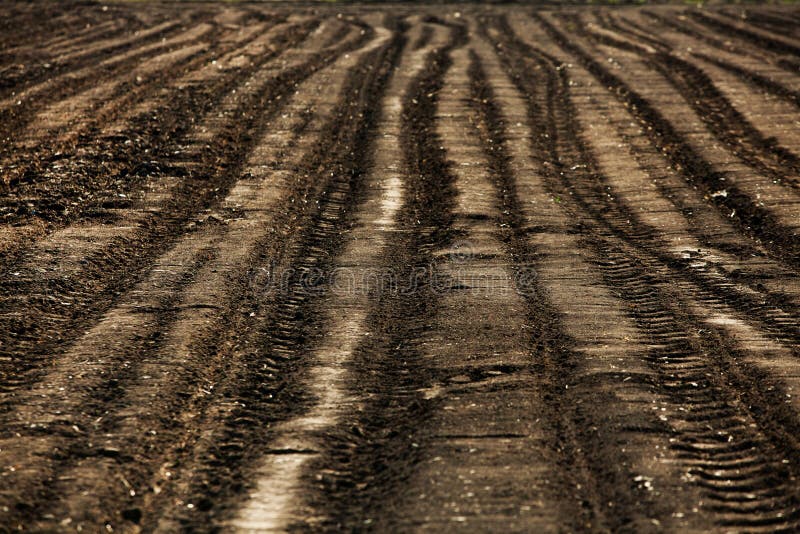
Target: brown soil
(350,268)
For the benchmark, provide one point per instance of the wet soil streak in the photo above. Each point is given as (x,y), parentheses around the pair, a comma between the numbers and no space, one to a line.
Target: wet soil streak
(365,464)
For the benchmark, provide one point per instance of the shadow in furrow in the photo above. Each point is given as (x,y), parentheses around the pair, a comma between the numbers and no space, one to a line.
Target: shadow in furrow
(361,472)
(599,470)
(753,220)
(267,386)
(70,306)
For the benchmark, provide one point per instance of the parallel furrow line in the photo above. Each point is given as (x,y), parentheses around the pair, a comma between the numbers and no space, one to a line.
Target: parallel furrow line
(727,123)
(75,298)
(688,366)
(373,458)
(753,219)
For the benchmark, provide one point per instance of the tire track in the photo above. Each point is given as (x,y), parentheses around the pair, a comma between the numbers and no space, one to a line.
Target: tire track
(592,316)
(68,62)
(363,469)
(751,35)
(479,349)
(687,26)
(277,500)
(93,278)
(246,423)
(663,238)
(685,362)
(752,218)
(689,246)
(771,310)
(712,104)
(19,108)
(754,71)
(631,135)
(147,382)
(741,463)
(75,250)
(121,81)
(667,239)
(592,352)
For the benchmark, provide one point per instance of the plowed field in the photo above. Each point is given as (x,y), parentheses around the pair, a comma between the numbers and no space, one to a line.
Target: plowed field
(399,268)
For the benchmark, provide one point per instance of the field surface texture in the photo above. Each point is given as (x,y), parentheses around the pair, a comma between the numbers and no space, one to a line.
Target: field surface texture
(401,268)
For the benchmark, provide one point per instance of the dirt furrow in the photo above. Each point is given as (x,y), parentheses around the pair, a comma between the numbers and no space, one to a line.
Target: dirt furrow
(589,349)
(73,35)
(657,236)
(736,193)
(29,56)
(682,23)
(238,52)
(752,70)
(126,151)
(177,329)
(129,100)
(401,268)
(71,116)
(22,101)
(760,82)
(358,480)
(356,278)
(773,43)
(651,226)
(53,21)
(68,65)
(672,231)
(273,358)
(477,350)
(774,22)
(118,81)
(164,121)
(773,156)
(681,358)
(68,295)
